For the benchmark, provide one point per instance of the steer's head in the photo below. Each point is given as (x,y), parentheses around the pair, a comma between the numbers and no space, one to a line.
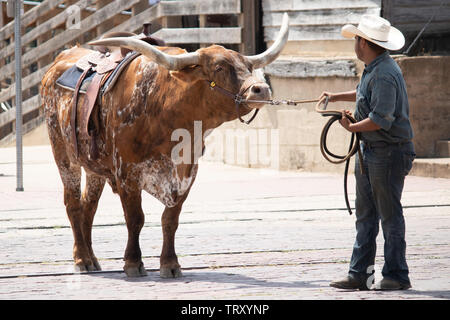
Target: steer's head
(215,66)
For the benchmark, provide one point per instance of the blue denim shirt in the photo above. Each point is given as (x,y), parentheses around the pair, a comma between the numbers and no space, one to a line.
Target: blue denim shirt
(381,96)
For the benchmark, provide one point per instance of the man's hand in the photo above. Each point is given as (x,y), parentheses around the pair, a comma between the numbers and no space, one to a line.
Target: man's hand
(344,121)
(340,96)
(360,126)
(331,96)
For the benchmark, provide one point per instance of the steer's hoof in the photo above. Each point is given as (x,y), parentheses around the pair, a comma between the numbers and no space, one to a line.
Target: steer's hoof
(135,270)
(170,272)
(96,264)
(81,266)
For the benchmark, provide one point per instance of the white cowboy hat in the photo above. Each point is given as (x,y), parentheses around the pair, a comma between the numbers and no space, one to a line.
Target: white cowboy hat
(377,30)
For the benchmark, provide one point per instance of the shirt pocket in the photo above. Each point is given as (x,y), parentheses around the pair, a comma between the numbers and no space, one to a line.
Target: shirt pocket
(362,107)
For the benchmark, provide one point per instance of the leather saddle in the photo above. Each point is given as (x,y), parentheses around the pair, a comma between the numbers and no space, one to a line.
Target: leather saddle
(103,67)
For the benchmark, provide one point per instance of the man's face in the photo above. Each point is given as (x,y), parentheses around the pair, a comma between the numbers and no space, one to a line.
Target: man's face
(358,47)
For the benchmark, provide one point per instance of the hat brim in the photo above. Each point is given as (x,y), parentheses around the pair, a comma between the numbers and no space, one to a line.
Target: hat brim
(395,41)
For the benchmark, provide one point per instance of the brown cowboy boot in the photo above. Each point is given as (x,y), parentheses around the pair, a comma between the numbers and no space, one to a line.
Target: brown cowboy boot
(350,283)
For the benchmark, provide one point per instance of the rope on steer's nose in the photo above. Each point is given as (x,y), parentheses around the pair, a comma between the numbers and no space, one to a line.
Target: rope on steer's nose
(336,115)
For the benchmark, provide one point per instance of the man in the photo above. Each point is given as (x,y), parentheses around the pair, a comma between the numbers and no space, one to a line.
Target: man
(382,114)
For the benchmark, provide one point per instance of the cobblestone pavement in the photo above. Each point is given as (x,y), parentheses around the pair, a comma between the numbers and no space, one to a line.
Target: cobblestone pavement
(243,234)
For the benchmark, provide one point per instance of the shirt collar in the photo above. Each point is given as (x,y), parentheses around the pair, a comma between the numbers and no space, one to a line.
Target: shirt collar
(376,61)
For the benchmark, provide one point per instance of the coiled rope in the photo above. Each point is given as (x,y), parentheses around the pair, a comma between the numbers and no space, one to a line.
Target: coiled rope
(336,115)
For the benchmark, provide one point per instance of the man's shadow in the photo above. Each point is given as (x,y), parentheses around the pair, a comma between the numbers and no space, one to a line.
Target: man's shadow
(244,281)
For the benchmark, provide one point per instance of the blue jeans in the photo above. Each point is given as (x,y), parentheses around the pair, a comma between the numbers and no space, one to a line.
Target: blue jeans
(378,195)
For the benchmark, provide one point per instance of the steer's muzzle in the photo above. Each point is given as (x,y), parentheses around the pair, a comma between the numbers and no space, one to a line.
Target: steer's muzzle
(257,94)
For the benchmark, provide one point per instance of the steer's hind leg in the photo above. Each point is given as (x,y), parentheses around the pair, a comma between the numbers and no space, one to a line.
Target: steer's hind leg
(89,200)
(134,217)
(71,177)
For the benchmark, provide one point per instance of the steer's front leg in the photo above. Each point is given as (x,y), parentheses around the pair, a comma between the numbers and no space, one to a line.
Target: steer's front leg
(134,216)
(170,267)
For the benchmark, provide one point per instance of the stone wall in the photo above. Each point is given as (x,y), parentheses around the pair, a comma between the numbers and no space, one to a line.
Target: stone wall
(428,85)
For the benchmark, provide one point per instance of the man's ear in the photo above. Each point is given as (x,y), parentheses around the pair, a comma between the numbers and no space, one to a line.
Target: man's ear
(363,42)
(190,74)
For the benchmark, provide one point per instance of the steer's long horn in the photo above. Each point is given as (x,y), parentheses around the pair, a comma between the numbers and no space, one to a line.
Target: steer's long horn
(171,62)
(274,51)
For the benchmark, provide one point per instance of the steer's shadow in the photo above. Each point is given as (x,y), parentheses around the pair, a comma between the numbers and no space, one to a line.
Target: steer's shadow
(218,277)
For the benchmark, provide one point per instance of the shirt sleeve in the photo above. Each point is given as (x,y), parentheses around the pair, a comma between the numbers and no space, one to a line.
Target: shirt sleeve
(382,102)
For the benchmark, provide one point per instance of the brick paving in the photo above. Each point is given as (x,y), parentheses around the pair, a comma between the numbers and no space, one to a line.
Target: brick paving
(243,234)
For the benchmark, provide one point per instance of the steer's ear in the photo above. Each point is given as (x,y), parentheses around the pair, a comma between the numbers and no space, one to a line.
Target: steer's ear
(189,74)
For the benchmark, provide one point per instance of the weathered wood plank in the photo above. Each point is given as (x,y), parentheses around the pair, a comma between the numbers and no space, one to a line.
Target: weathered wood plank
(299,33)
(107,23)
(294,5)
(7,116)
(415,3)
(27,82)
(68,35)
(31,104)
(200,35)
(29,17)
(196,7)
(27,107)
(414,28)
(43,28)
(421,14)
(319,17)
(296,68)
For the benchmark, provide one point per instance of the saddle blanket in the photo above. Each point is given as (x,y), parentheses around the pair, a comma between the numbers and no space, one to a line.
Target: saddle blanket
(69,78)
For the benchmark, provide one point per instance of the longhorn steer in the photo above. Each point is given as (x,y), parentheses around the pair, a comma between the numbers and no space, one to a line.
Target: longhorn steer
(160,91)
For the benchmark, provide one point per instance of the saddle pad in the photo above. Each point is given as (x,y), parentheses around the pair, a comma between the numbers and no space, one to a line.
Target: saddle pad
(69,78)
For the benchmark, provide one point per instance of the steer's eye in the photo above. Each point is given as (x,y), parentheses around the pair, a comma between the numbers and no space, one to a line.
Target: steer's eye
(219,68)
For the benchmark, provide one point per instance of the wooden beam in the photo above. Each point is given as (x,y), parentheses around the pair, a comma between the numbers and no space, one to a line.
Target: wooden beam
(200,35)
(139,7)
(27,82)
(249,21)
(28,106)
(202,23)
(298,33)
(106,24)
(318,17)
(296,5)
(2,42)
(196,7)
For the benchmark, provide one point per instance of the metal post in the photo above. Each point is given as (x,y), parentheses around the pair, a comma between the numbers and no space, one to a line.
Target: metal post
(18,76)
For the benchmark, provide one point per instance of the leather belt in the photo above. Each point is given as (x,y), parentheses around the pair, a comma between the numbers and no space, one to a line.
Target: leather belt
(383,144)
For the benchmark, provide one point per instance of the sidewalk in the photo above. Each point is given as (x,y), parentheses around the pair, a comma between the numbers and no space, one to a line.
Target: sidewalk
(243,234)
